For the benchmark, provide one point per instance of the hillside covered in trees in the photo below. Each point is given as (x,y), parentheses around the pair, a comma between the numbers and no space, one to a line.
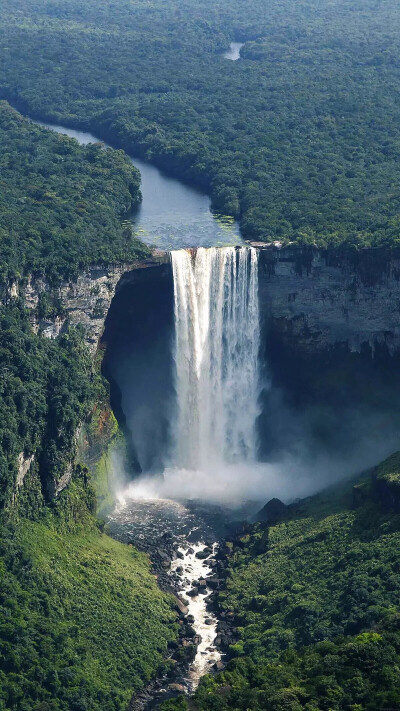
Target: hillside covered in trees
(315,597)
(299,138)
(67,591)
(62,206)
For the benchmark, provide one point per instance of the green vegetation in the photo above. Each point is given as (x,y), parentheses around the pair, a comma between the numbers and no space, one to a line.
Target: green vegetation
(46,388)
(83,624)
(299,139)
(61,208)
(316,600)
(100,439)
(61,204)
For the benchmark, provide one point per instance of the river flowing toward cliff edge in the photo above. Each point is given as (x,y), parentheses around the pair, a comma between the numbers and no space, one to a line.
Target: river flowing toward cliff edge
(172,214)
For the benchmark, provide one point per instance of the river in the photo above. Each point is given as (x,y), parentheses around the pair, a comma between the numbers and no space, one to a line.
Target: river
(190,530)
(172,215)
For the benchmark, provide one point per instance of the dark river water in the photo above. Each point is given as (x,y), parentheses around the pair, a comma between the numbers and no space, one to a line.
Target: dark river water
(172,215)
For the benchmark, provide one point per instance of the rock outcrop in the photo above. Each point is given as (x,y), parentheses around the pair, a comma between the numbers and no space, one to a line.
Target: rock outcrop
(319,298)
(315,298)
(273,512)
(85,301)
(386,483)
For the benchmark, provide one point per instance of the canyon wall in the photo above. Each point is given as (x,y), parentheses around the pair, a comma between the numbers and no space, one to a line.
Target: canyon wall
(317,299)
(85,301)
(327,317)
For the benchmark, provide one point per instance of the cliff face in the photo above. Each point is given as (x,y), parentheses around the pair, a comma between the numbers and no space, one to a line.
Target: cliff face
(317,299)
(330,350)
(86,301)
(312,303)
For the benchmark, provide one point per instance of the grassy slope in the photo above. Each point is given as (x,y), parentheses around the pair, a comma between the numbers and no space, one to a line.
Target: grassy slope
(83,623)
(324,585)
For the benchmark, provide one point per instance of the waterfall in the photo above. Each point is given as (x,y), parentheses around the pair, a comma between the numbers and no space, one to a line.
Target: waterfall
(216,355)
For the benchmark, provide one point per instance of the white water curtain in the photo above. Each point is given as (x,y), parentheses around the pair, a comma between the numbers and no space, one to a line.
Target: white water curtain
(216,355)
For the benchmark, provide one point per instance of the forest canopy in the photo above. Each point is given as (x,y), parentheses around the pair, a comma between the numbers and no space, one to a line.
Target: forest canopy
(62,205)
(299,139)
(315,597)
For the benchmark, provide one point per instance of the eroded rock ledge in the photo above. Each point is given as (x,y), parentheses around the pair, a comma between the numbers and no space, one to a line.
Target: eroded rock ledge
(316,299)
(313,298)
(86,301)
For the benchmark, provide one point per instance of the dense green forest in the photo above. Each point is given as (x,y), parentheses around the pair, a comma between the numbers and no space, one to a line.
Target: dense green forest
(316,598)
(67,591)
(61,205)
(299,139)
(47,387)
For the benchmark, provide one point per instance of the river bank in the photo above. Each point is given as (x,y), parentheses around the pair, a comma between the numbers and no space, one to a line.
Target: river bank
(173,214)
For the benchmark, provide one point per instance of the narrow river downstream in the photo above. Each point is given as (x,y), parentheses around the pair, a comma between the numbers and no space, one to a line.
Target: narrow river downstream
(181,539)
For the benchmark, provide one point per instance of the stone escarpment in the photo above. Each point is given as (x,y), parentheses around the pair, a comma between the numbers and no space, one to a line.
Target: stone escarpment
(313,298)
(85,301)
(330,324)
(330,344)
(317,299)
(330,351)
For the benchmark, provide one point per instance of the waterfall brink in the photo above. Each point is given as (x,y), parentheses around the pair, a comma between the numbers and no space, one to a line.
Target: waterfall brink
(216,355)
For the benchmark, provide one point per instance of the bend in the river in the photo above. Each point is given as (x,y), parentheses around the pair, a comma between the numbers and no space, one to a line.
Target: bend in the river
(172,215)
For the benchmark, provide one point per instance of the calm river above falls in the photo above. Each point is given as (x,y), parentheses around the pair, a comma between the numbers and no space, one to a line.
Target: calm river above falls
(172,215)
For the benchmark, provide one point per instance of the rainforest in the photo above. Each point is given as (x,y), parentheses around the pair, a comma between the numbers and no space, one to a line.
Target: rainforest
(199,355)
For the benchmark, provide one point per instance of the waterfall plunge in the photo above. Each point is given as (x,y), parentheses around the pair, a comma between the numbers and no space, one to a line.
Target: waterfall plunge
(216,356)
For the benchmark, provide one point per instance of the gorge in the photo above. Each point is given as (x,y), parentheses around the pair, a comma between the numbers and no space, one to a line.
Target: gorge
(237,374)
(199,355)
(315,399)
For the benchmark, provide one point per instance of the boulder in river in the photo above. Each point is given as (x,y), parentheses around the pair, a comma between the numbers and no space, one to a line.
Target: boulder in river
(201,555)
(177,687)
(181,606)
(219,666)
